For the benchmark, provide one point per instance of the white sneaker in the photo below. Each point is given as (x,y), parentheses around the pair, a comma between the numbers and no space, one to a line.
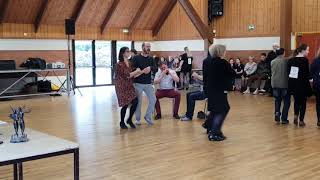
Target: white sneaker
(246,92)
(262,90)
(138,122)
(185,118)
(256,92)
(149,121)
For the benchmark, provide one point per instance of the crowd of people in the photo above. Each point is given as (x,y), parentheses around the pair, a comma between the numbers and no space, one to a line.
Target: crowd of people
(283,77)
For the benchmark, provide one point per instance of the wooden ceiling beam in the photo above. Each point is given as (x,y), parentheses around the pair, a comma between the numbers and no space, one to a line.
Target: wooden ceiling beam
(202,28)
(138,14)
(39,17)
(109,15)
(3,10)
(163,16)
(78,10)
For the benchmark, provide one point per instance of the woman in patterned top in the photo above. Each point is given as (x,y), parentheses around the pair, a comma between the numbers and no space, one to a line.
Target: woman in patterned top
(124,87)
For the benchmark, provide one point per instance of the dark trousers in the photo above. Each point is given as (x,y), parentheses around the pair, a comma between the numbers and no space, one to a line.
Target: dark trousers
(133,108)
(257,78)
(168,93)
(192,97)
(216,120)
(300,103)
(318,104)
(281,94)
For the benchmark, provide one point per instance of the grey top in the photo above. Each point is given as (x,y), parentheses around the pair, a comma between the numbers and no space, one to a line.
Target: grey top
(279,70)
(250,68)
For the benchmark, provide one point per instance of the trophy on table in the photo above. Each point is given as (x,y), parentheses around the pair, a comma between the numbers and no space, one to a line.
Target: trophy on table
(19,125)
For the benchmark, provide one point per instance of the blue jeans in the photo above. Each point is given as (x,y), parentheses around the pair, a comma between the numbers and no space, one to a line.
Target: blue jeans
(281,94)
(149,91)
(192,97)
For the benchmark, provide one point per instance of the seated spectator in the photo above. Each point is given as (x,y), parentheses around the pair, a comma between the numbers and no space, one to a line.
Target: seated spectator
(262,74)
(250,70)
(239,68)
(192,97)
(165,78)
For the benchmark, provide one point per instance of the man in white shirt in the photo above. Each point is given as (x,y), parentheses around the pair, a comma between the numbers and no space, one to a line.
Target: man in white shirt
(165,77)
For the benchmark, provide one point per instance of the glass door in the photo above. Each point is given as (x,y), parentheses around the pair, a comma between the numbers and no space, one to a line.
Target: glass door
(83,63)
(103,63)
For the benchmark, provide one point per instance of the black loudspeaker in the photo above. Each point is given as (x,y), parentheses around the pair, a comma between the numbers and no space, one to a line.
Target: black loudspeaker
(215,8)
(70,27)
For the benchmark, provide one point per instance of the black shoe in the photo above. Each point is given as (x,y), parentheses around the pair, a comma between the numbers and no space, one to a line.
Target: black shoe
(215,137)
(176,116)
(187,88)
(205,125)
(131,124)
(123,125)
(285,122)
(277,119)
(158,116)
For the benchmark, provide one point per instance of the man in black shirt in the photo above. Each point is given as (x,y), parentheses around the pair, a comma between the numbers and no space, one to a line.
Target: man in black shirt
(142,83)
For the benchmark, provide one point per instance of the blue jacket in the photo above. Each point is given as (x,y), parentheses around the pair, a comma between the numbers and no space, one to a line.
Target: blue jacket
(315,73)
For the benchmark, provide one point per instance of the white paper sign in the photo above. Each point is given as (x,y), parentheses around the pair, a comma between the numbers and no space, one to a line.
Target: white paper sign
(294,71)
(189,61)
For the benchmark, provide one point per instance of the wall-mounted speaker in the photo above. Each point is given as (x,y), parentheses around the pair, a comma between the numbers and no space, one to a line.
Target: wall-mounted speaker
(70,27)
(215,8)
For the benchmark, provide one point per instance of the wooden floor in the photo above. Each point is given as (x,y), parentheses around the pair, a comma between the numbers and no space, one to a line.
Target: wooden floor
(256,147)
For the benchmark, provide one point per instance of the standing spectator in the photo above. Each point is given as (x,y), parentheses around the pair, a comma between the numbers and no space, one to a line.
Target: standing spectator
(315,73)
(124,87)
(272,54)
(165,78)
(249,70)
(186,67)
(233,66)
(143,82)
(239,68)
(170,62)
(298,84)
(279,83)
(217,77)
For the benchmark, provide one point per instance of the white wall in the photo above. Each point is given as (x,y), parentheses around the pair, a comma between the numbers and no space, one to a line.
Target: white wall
(32,44)
(194,45)
(250,43)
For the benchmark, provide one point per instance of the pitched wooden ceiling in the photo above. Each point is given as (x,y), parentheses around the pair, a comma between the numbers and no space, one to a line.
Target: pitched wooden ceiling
(87,12)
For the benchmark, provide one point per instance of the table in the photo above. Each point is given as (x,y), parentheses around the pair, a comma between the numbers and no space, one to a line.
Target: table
(39,146)
(38,72)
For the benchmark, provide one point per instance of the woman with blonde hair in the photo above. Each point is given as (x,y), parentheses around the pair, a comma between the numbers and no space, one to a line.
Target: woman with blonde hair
(217,79)
(315,74)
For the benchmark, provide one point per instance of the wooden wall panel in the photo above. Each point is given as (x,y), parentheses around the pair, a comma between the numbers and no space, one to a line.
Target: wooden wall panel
(22,11)
(58,11)
(178,25)
(150,15)
(305,16)
(239,14)
(58,32)
(94,12)
(124,13)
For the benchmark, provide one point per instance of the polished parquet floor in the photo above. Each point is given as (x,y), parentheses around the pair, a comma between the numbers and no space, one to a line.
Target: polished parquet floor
(256,147)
